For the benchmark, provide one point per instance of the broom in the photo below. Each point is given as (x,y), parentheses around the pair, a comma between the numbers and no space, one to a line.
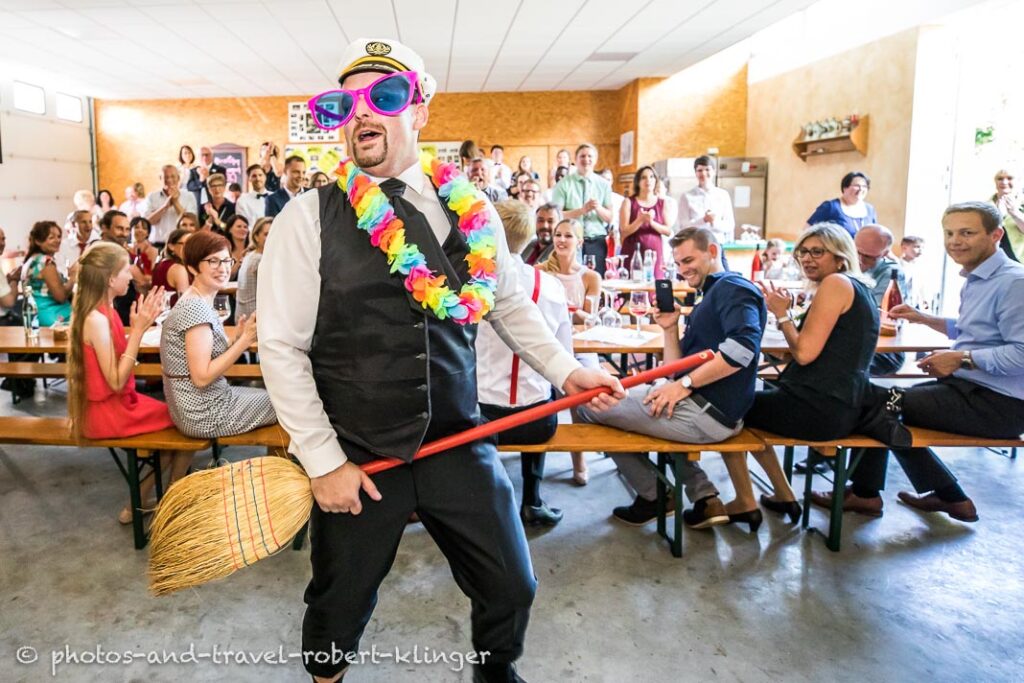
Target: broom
(214,522)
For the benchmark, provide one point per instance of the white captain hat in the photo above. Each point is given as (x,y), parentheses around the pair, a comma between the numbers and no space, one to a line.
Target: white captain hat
(386,56)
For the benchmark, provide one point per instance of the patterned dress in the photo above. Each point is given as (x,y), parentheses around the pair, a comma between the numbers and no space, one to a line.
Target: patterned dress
(50,311)
(219,409)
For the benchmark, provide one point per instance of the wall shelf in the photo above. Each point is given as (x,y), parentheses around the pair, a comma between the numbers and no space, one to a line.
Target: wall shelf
(855,140)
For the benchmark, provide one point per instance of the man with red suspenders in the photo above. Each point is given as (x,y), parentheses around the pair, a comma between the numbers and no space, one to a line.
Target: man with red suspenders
(505,385)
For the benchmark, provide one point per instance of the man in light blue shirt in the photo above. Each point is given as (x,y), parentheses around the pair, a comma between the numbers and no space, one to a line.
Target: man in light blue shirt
(587,197)
(980,385)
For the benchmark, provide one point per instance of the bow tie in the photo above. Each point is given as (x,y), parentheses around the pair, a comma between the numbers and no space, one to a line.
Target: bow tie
(261,195)
(393,187)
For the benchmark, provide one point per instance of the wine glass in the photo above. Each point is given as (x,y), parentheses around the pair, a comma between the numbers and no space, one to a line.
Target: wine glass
(222,304)
(638,307)
(592,317)
(610,272)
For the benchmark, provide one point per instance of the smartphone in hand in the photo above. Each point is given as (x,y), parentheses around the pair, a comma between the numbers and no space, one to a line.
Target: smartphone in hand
(663,295)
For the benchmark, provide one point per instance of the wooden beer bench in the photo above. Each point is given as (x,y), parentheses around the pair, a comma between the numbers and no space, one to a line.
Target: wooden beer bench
(139,450)
(844,464)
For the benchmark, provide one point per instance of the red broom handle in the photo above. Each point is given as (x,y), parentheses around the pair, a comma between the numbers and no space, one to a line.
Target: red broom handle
(537,412)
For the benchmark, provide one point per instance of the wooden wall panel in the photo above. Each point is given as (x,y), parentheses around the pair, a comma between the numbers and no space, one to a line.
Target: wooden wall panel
(876,79)
(134,138)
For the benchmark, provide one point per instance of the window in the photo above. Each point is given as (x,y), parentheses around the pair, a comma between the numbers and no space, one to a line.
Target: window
(69,107)
(29,98)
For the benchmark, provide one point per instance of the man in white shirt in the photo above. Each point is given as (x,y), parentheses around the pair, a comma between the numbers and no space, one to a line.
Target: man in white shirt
(253,204)
(502,173)
(134,201)
(706,205)
(505,385)
(357,368)
(77,239)
(165,206)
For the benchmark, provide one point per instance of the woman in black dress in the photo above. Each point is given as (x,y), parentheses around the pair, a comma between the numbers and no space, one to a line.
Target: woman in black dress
(818,396)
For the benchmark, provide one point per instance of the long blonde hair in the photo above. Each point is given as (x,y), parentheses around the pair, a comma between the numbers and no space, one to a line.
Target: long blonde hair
(550,264)
(99,263)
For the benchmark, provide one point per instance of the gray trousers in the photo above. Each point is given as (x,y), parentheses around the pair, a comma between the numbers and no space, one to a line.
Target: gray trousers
(688,424)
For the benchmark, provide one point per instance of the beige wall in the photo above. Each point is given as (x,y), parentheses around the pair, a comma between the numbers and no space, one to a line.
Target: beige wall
(876,79)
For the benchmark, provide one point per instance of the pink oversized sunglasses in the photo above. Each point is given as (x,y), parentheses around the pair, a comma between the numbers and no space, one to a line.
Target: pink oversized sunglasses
(389,95)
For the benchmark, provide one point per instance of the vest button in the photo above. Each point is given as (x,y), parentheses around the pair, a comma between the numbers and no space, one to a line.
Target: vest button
(425,416)
(418,326)
(421,356)
(422,387)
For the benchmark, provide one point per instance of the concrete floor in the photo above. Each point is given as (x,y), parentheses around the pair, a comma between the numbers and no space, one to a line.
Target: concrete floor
(909,598)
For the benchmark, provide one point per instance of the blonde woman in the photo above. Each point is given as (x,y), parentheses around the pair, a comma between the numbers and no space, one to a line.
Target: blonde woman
(245,299)
(102,401)
(579,283)
(819,394)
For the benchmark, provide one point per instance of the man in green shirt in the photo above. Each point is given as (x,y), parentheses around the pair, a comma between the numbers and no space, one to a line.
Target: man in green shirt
(587,197)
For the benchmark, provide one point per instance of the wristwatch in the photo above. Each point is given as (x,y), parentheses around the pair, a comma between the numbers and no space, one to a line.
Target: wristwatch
(687,382)
(967,361)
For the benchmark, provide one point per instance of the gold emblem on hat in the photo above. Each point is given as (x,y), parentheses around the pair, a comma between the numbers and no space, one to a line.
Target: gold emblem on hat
(377,49)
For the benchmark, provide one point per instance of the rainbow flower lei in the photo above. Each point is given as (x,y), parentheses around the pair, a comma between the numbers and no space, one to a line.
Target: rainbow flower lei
(377,217)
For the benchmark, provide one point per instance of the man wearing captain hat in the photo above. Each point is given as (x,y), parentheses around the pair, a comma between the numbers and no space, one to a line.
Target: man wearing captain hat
(366,343)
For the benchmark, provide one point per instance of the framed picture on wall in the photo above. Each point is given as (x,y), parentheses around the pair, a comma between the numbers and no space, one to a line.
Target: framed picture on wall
(232,157)
(302,129)
(626,149)
(318,157)
(447,152)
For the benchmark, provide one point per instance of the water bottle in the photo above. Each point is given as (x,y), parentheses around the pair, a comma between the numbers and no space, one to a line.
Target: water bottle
(649,266)
(30,315)
(636,266)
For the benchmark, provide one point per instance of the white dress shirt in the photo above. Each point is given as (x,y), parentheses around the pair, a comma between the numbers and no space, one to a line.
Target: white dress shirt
(698,201)
(494,357)
(288,297)
(169,221)
(253,206)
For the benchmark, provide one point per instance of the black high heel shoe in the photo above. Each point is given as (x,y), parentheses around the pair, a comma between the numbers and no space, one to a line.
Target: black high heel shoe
(751,518)
(790,507)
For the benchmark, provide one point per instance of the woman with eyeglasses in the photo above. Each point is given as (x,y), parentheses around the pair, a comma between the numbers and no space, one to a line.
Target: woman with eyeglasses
(818,395)
(195,351)
(849,210)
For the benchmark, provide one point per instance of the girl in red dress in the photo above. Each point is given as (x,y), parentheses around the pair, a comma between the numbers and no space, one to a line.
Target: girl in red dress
(102,402)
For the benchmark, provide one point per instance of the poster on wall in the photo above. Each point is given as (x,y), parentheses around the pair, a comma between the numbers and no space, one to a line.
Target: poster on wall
(447,152)
(626,149)
(318,157)
(232,158)
(302,129)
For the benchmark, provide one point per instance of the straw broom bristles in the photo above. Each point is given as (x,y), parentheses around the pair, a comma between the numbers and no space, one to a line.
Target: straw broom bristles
(215,522)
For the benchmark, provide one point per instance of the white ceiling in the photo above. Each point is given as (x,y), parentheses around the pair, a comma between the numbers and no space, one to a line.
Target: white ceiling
(223,48)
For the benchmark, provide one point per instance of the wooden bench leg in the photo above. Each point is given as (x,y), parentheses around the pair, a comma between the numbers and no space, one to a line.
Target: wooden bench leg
(136,499)
(662,497)
(835,521)
(787,463)
(812,459)
(300,537)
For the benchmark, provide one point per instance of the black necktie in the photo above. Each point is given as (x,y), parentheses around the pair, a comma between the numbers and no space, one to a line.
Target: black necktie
(393,187)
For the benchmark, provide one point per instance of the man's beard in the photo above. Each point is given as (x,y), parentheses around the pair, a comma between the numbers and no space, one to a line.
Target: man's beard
(370,160)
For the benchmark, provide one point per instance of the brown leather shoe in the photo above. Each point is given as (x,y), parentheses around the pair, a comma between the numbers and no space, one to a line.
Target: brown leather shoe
(963,511)
(870,507)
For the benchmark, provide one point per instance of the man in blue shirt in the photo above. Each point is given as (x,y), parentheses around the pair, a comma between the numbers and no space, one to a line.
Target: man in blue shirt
(980,385)
(708,404)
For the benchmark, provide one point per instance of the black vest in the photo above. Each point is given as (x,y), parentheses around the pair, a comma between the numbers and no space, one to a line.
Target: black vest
(389,373)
